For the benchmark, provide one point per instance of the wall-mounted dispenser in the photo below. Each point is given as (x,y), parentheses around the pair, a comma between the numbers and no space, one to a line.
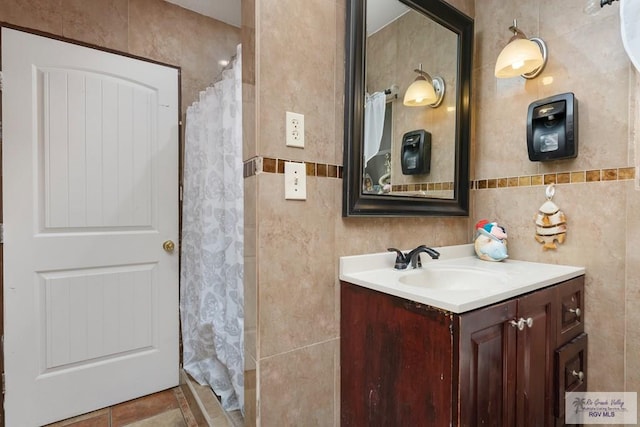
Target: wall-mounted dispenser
(415,155)
(552,128)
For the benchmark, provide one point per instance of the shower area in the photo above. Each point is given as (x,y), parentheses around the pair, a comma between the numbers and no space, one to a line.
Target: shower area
(211,273)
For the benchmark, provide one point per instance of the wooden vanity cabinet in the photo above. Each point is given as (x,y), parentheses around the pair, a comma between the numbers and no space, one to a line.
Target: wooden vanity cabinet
(506,366)
(396,355)
(486,367)
(405,363)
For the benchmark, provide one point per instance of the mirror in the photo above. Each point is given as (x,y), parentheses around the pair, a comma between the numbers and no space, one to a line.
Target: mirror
(385,174)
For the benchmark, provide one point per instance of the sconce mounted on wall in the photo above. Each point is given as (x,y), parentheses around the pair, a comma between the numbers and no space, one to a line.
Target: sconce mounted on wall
(424,90)
(522,56)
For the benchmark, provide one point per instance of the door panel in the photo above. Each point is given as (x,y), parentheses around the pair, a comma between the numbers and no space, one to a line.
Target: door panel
(80,327)
(90,156)
(112,188)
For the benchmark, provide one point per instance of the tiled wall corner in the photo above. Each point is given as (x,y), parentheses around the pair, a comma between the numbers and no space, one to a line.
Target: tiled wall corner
(632,294)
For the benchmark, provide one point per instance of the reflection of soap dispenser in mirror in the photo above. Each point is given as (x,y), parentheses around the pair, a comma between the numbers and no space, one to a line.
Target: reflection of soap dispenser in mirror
(415,155)
(552,128)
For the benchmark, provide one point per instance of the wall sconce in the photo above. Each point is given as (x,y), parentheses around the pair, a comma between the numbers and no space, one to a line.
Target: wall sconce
(424,90)
(521,56)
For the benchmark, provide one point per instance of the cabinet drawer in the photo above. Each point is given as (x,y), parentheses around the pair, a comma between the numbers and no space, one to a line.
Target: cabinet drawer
(570,370)
(570,321)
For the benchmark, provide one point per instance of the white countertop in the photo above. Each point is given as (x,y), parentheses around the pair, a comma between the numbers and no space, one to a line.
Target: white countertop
(510,277)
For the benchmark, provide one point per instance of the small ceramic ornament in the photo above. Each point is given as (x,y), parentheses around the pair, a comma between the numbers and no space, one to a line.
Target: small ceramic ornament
(551,223)
(490,242)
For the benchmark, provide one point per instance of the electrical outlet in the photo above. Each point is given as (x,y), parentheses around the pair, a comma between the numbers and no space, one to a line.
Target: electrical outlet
(295,130)
(295,181)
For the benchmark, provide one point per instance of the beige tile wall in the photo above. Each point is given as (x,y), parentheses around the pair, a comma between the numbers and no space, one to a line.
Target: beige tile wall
(299,66)
(294,246)
(632,291)
(152,29)
(602,225)
(299,242)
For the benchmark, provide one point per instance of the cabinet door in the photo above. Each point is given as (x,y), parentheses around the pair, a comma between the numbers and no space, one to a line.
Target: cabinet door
(535,350)
(487,366)
(571,370)
(570,321)
(395,360)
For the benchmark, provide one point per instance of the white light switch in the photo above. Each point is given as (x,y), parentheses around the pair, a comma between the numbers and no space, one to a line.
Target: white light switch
(295,181)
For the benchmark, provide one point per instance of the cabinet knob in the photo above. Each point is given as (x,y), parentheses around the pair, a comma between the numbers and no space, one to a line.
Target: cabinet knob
(517,324)
(577,311)
(521,323)
(579,375)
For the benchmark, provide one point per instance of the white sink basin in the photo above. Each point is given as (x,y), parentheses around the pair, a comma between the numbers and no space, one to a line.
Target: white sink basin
(454,278)
(457,282)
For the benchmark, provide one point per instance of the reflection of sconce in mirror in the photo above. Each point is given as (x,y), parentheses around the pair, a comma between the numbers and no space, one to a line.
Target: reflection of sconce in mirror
(523,56)
(424,90)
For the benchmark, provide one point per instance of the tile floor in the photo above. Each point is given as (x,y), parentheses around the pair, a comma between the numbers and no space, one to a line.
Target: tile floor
(167,408)
(188,405)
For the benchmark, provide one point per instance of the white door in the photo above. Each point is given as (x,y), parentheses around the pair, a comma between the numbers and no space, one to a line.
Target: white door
(89,157)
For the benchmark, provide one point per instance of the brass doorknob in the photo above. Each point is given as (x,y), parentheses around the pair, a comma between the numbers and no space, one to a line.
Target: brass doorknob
(168,246)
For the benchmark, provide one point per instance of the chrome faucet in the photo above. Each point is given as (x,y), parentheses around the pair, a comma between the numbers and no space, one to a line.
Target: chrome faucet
(412,257)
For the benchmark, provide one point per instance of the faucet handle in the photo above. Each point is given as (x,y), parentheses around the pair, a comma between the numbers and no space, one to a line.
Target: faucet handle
(401,259)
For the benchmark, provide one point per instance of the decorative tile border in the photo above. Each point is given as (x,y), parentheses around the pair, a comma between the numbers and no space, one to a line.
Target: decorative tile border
(270,165)
(426,186)
(251,167)
(257,165)
(595,175)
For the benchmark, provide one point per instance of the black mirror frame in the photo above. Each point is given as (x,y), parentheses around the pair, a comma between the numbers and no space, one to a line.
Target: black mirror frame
(354,202)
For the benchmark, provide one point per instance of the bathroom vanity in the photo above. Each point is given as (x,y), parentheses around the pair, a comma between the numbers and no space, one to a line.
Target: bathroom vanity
(437,359)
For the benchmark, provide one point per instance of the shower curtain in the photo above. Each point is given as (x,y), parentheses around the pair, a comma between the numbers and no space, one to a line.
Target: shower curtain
(211,275)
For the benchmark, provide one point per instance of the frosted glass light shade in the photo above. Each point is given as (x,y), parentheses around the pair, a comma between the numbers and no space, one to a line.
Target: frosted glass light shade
(520,56)
(420,93)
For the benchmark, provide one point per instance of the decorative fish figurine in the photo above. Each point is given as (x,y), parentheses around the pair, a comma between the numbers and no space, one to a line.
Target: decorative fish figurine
(551,223)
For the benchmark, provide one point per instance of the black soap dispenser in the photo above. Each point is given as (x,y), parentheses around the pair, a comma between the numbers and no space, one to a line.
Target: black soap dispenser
(552,128)
(415,155)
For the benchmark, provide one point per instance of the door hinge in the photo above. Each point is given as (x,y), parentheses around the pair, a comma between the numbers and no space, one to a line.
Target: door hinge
(1,82)
(1,233)
(3,387)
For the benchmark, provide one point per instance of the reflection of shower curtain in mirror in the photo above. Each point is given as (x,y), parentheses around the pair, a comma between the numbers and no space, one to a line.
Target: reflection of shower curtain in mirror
(374,107)
(211,276)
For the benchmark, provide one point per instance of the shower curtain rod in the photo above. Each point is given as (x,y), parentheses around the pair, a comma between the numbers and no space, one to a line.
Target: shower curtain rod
(392,90)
